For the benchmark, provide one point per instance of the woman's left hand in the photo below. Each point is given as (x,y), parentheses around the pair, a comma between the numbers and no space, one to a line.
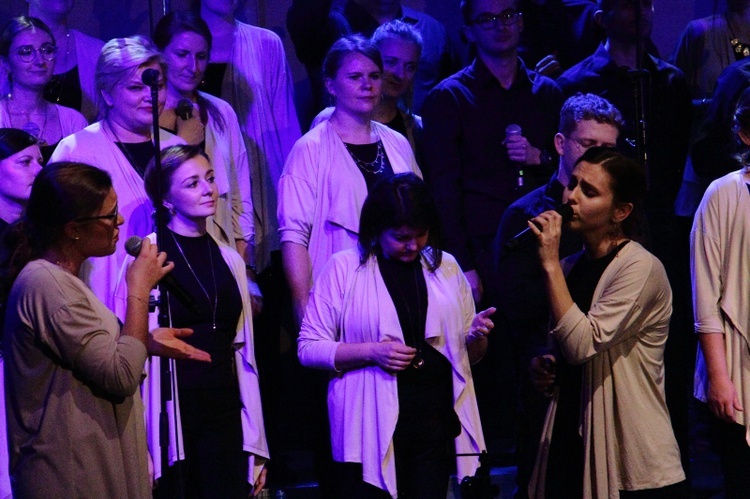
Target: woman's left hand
(548,227)
(481,325)
(259,483)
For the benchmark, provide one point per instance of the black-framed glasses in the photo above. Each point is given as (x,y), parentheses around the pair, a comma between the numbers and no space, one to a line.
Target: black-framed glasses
(508,17)
(111,216)
(27,53)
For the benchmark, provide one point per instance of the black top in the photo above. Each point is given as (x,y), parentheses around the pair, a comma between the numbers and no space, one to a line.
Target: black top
(398,124)
(425,393)
(218,377)
(139,154)
(465,117)
(368,153)
(566,453)
(213,78)
(65,89)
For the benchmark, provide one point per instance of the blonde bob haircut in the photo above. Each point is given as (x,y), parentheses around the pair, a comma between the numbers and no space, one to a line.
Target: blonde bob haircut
(118,61)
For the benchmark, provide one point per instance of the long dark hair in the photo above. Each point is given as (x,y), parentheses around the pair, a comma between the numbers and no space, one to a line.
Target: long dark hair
(187,21)
(397,201)
(61,192)
(13,141)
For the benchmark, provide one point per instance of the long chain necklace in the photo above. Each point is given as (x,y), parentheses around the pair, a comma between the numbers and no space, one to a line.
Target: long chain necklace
(213,277)
(418,361)
(373,167)
(29,126)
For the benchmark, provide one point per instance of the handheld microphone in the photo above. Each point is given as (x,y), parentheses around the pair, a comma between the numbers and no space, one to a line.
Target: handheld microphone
(133,248)
(513,130)
(150,77)
(526,235)
(184,109)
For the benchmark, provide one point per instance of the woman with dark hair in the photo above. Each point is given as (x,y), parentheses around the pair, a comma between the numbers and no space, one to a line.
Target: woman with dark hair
(216,423)
(331,168)
(72,370)
(719,257)
(185,42)
(122,144)
(28,54)
(20,161)
(608,432)
(394,321)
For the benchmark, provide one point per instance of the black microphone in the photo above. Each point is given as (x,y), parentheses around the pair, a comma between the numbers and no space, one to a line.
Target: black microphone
(184,109)
(150,77)
(133,248)
(526,235)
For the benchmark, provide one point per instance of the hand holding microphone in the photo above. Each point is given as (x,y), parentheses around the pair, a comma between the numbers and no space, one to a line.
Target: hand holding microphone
(566,213)
(133,248)
(520,151)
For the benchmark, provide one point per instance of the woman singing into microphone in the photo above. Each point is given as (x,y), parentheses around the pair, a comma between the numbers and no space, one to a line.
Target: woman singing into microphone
(608,432)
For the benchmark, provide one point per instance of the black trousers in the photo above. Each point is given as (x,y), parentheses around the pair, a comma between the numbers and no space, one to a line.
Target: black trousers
(423,467)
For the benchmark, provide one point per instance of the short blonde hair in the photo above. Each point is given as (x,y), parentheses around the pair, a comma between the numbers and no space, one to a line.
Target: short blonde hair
(119,59)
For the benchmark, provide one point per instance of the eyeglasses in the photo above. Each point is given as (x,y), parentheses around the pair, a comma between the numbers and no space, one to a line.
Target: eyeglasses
(589,143)
(27,53)
(507,17)
(111,216)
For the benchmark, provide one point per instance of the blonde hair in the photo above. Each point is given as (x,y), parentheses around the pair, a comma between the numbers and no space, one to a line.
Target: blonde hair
(119,59)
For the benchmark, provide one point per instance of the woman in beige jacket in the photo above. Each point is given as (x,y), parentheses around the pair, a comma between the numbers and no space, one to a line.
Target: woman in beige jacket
(608,432)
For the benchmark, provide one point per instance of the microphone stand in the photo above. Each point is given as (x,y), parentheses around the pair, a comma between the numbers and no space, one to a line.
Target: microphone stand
(150,78)
(639,75)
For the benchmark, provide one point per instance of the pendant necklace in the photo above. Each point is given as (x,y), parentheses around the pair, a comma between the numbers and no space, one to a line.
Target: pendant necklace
(373,167)
(29,126)
(213,277)
(418,361)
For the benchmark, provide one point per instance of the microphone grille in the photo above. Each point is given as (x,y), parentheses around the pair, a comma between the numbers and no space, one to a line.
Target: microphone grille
(133,245)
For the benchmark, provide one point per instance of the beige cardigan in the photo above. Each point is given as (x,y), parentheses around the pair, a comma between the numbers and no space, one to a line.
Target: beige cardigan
(628,439)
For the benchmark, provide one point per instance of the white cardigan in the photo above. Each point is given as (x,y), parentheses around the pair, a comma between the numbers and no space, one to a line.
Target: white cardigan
(321,191)
(350,304)
(720,258)
(253,430)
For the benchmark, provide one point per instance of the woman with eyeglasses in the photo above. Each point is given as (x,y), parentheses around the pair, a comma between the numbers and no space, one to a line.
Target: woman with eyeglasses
(28,54)
(72,82)
(72,370)
(122,144)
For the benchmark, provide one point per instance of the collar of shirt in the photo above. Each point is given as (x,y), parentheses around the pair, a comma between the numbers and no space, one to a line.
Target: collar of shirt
(484,76)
